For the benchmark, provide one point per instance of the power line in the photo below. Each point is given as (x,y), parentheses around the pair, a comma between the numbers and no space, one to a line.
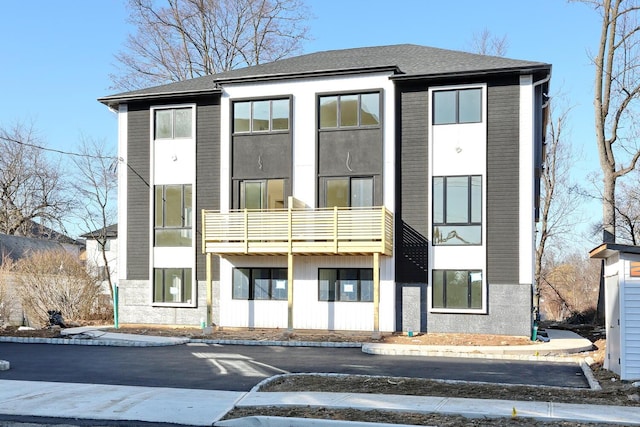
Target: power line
(68,153)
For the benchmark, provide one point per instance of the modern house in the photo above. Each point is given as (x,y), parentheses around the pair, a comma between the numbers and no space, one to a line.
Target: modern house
(375,189)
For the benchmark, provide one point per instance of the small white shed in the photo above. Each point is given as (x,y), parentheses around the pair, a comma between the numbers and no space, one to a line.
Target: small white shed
(622,301)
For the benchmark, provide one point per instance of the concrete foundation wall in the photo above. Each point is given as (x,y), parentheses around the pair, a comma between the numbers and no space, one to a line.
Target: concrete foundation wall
(135,306)
(509,314)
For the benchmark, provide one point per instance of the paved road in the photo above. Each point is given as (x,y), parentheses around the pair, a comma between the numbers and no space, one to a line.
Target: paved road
(239,368)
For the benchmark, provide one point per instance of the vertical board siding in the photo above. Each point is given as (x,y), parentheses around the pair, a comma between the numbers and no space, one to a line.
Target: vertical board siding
(138,226)
(208,175)
(631,332)
(503,104)
(411,187)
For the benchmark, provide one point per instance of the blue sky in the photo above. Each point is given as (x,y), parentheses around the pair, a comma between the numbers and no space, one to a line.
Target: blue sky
(57,55)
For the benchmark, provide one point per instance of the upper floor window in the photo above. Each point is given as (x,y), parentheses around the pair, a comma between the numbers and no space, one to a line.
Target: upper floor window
(457,106)
(348,192)
(261,116)
(173,123)
(262,194)
(172,212)
(357,110)
(457,210)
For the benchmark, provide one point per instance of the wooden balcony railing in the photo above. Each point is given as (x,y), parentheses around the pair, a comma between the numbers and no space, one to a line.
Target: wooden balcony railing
(338,231)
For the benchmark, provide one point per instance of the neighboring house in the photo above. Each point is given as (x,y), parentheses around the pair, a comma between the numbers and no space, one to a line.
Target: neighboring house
(18,247)
(383,189)
(96,260)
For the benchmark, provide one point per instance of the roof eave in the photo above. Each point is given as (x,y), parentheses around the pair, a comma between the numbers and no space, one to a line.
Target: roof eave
(306,74)
(475,73)
(114,100)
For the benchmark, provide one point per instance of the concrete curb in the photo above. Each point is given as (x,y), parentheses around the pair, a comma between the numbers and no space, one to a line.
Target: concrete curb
(4,365)
(330,344)
(90,341)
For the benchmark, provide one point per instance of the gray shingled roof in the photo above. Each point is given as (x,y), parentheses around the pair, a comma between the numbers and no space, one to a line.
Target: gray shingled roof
(405,60)
(17,247)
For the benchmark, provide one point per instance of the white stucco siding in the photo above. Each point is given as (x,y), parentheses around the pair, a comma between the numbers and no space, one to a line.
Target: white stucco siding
(526,179)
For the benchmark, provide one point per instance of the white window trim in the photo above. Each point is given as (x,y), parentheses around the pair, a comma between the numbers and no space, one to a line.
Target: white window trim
(485,286)
(152,140)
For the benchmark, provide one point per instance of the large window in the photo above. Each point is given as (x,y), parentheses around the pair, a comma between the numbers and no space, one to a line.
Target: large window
(172,222)
(457,289)
(345,284)
(172,285)
(457,106)
(348,192)
(261,116)
(173,123)
(260,283)
(357,110)
(457,210)
(262,194)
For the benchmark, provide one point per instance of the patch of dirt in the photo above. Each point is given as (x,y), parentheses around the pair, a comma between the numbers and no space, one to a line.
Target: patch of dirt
(614,391)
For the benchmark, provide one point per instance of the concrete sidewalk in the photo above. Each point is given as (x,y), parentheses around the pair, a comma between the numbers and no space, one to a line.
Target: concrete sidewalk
(207,407)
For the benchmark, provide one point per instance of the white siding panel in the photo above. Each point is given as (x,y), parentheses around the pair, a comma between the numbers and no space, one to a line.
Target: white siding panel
(631,330)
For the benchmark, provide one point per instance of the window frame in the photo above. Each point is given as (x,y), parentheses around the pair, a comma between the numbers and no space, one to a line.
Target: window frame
(271,119)
(359,104)
(335,295)
(189,298)
(251,291)
(469,309)
(457,104)
(471,213)
(326,179)
(187,218)
(173,109)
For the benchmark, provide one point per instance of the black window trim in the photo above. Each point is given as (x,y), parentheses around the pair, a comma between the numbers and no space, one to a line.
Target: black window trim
(251,295)
(337,288)
(469,291)
(187,300)
(457,106)
(470,222)
(319,96)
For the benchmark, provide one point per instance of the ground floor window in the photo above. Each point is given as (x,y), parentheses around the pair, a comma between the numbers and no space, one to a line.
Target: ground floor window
(260,283)
(172,285)
(461,289)
(345,284)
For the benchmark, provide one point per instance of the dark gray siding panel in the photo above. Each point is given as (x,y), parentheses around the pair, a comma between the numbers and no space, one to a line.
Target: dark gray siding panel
(411,177)
(208,174)
(503,103)
(262,156)
(138,192)
(359,150)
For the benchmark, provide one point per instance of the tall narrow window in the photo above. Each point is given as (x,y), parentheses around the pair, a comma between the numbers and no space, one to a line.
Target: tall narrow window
(457,210)
(173,206)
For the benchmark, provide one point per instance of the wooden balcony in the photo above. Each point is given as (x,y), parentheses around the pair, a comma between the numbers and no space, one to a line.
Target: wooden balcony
(298,231)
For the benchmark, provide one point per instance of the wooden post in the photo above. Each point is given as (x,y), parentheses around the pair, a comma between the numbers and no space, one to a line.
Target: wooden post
(376,295)
(209,321)
(290,291)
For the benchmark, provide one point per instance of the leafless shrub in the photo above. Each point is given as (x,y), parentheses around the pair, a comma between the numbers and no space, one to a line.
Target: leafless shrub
(56,280)
(7,304)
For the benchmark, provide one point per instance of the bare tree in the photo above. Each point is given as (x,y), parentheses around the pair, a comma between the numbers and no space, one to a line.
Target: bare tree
(559,199)
(192,38)
(617,91)
(32,187)
(486,43)
(96,185)
(628,210)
